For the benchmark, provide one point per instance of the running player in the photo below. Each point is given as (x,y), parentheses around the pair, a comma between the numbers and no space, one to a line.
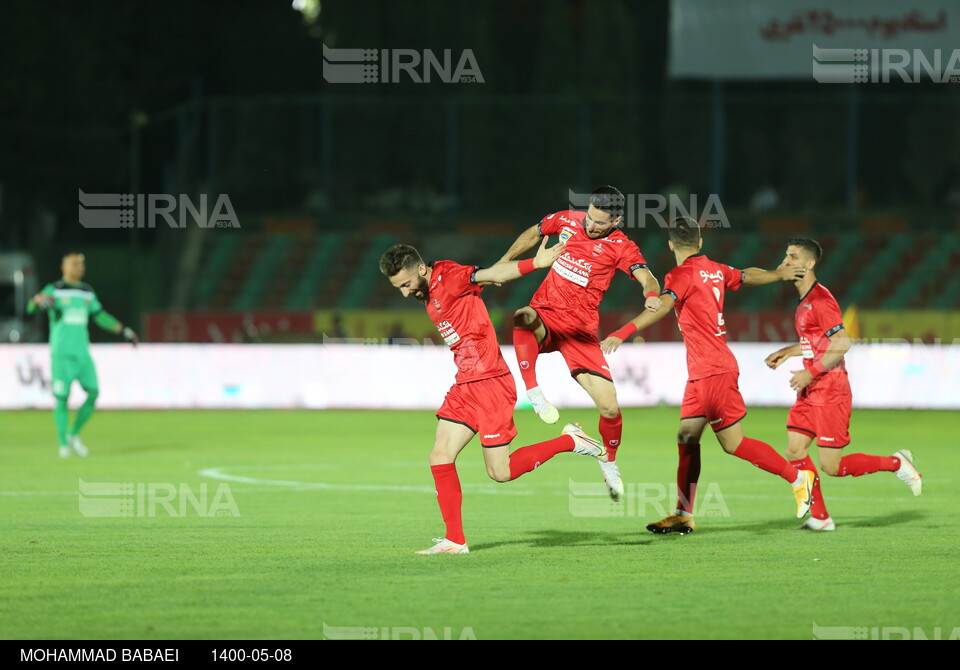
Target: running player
(822,409)
(696,288)
(70,303)
(484,395)
(563,314)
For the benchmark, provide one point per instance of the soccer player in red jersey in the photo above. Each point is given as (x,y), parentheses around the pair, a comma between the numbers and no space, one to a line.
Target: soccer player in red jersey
(484,395)
(563,314)
(822,409)
(696,288)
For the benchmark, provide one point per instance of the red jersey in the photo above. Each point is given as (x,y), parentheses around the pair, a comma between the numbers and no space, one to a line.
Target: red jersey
(578,279)
(818,317)
(455,307)
(698,286)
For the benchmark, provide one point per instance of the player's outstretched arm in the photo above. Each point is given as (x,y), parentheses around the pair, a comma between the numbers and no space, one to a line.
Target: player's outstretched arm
(759,276)
(42,301)
(651,288)
(111,324)
(527,240)
(777,358)
(839,345)
(645,320)
(505,271)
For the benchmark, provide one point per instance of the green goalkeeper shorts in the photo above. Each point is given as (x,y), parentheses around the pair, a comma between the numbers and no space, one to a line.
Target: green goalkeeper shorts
(67,368)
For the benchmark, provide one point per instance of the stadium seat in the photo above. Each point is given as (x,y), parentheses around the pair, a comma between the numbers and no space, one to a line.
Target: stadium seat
(366,272)
(326,248)
(265,264)
(213,270)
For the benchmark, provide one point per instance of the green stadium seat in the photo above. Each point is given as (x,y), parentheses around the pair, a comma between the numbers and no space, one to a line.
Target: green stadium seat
(325,250)
(367,272)
(212,271)
(262,271)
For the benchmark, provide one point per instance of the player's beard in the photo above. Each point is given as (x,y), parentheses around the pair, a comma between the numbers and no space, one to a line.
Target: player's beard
(424,288)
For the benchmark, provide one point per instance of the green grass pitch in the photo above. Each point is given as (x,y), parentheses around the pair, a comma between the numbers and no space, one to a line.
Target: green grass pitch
(331,506)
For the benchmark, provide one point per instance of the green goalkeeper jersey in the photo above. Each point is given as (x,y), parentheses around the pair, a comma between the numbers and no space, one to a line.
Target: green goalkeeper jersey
(73,306)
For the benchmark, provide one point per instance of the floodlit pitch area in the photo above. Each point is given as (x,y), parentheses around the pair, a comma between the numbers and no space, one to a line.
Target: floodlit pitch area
(302,524)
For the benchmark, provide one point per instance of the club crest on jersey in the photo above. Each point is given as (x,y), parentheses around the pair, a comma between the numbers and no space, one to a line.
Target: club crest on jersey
(597,249)
(436,303)
(566,233)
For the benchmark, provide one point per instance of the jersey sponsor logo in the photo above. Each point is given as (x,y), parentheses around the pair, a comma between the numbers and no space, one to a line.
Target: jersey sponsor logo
(808,305)
(447,332)
(75,317)
(493,435)
(715,277)
(573,269)
(806,348)
(566,233)
(827,439)
(567,219)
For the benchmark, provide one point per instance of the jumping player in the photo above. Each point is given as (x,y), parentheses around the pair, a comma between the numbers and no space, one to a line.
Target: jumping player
(484,395)
(823,405)
(70,303)
(696,288)
(563,314)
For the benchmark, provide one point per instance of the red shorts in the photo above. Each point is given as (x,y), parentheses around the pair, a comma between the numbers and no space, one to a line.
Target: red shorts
(579,348)
(716,398)
(830,424)
(485,407)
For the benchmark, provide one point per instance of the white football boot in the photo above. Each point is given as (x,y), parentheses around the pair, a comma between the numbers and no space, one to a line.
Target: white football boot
(547,412)
(908,473)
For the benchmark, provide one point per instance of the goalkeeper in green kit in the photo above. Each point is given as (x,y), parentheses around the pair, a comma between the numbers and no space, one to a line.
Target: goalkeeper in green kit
(70,303)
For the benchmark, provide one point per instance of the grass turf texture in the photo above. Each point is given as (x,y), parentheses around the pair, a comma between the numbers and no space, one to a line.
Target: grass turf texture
(327,551)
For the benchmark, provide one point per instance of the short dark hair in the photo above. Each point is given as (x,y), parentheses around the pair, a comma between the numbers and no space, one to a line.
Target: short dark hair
(71,252)
(608,199)
(684,231)
(812,247)
(399,257)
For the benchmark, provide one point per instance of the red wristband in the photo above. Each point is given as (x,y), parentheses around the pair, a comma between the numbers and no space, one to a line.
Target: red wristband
(526,266)
(818,368)
(653,294)
(624,332)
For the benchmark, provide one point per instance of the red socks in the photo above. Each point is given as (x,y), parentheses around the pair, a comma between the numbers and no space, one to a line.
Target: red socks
(854,465)
(525,459)
(450,497)
(766,458)
(611,430)
(688,473)
(818,509)
(526,347)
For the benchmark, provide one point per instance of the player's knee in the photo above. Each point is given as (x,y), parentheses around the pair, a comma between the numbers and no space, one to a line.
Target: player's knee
(524,317)
(829,468)
(687,437)
(610,411)
(441,454)
(498,474)
(92,394)
(794,453)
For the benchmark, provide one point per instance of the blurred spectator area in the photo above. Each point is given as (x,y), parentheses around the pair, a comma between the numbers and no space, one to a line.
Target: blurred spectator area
(298,264)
